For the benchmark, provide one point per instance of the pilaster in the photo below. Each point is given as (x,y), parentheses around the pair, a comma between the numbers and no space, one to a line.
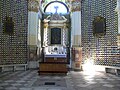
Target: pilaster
(117,9)
(76,34)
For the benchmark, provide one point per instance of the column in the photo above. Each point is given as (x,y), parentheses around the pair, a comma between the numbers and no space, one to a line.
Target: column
(118,11)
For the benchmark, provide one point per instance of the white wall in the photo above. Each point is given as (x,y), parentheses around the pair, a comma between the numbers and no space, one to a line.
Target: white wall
(76,28)
(32,28)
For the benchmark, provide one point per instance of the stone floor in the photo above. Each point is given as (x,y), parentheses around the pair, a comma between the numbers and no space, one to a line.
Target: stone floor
(30,80)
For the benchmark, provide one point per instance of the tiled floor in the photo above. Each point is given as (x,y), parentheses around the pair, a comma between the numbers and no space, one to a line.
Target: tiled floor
(30,80)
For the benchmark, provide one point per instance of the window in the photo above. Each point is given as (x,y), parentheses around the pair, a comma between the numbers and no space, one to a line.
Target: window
(56,7)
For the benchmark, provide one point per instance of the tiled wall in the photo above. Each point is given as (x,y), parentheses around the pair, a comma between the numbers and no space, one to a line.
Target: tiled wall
(13,48)
(103,50)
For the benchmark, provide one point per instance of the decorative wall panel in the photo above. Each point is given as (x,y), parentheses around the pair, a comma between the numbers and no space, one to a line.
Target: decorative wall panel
(13,47)
(103,50)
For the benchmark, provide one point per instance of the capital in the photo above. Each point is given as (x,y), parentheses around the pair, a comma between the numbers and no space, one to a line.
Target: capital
(33,5)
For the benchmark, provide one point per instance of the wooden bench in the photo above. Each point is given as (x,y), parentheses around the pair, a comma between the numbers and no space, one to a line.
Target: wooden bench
(13,67)
(50,67)
(112,70)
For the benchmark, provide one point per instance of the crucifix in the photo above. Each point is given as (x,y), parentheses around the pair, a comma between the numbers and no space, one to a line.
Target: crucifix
(56,8)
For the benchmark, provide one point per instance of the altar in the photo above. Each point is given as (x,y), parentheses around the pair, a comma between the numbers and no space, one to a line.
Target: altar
(55,43)
(54,61)
(56,58)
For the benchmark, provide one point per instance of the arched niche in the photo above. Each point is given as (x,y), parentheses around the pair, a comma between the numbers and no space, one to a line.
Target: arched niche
(55,34)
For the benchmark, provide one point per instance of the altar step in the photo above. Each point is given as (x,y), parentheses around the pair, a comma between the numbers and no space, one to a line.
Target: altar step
(52,68)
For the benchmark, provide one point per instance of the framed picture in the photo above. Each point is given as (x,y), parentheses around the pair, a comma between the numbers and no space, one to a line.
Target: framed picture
(99,26)
(8,26)
(55,36)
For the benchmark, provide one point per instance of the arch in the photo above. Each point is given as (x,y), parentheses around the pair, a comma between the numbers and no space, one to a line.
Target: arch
(59,2)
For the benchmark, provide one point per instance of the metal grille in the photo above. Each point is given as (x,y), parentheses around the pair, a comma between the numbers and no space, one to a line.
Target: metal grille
(13,48)
(103,50)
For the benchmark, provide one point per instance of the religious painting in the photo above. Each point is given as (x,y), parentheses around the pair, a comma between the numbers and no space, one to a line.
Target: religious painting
(55,35)
(99,26)
(8,25)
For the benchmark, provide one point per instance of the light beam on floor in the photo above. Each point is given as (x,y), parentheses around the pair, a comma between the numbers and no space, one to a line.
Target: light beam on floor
(88,67)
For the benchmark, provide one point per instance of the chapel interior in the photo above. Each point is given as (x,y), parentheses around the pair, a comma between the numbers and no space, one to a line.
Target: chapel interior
(59,36)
